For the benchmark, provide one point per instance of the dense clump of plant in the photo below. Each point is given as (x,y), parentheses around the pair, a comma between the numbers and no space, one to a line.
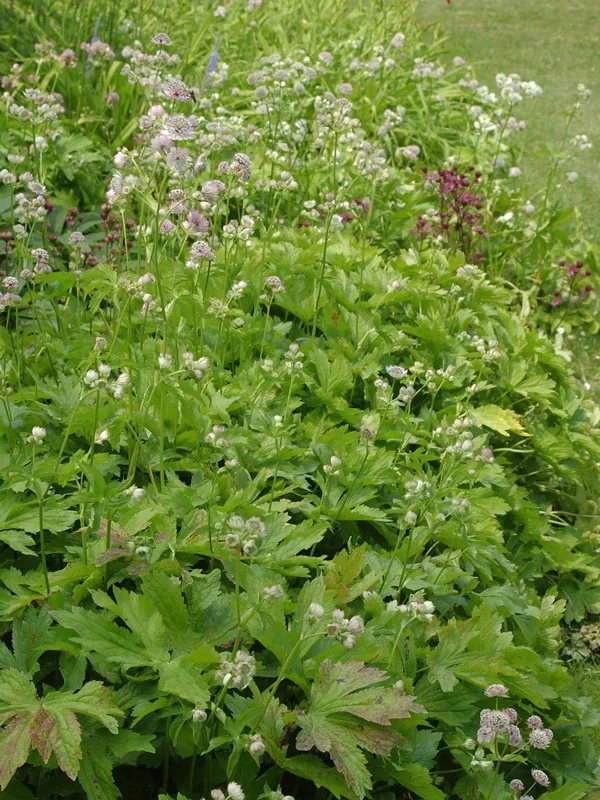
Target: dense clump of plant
(299,471)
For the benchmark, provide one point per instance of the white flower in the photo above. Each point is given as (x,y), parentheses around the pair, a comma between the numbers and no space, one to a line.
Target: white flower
(199,715)
(315,611)
(257,746)
(235,791)
(496,690)
(38,434)
(102,437)
(91,377)
(135,492)
(539,776)
(276,591)
(396,372)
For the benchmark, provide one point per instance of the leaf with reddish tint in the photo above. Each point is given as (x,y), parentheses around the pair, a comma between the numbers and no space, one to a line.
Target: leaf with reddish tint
(49,725)
(15,742)
(351,711)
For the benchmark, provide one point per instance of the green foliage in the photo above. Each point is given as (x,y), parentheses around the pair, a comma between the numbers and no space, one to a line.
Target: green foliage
(291,470)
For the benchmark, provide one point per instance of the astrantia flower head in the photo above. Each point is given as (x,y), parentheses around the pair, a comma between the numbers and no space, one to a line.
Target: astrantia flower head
(163,39)
(212,189)
(235,792)
(541,738)
(485,735)
(496,720)
(514,736)
(535,722)
(517,784)
(496,690)
(275,283)
(176,90)
(315,611)
(38,434)
(396,372)
(539,776)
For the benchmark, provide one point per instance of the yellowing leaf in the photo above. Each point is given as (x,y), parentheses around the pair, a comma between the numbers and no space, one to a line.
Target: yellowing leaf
(501,420)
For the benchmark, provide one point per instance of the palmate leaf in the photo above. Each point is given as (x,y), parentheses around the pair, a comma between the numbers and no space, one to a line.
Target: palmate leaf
(501,420)
(95,774)
(49,725)
(349,712)
(96,633)
(15,743)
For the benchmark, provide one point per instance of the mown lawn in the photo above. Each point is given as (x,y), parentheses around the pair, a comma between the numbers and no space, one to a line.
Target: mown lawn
(557,44)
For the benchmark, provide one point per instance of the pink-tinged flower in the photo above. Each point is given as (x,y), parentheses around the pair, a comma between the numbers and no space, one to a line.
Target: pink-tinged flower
(163,39)
(541,738)
(496,690)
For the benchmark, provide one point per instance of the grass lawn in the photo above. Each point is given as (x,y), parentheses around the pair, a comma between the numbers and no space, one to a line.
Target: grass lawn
(557,44)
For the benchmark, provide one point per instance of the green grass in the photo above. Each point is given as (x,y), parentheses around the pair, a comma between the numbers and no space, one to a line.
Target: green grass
(557,44)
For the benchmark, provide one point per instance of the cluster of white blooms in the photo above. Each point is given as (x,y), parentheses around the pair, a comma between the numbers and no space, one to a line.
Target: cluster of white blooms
(488,348)
(274,592)
(427,69)
(197,366)
(333,468)
(239,230)
(416,608)
(275,284)
(244,534)
(581,142)
(38,434)
(346,630)
(514,89)
(234,792)
(236,672)
(483,122)
(150,70)
(417,487)
(462,445)
(99,379)
(503,723)
(315,612)
(334,114)
(237,290)
(539,737)
(392,118)
(214,436)
(294,357)
(455,505)
(30,209)
(42,108)
(137,493)
(470,272)
(493,722)
(279,80)
(256,745)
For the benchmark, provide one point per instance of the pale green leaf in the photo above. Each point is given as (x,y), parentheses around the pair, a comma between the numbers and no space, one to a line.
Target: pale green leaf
(184,680)
(501,420)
